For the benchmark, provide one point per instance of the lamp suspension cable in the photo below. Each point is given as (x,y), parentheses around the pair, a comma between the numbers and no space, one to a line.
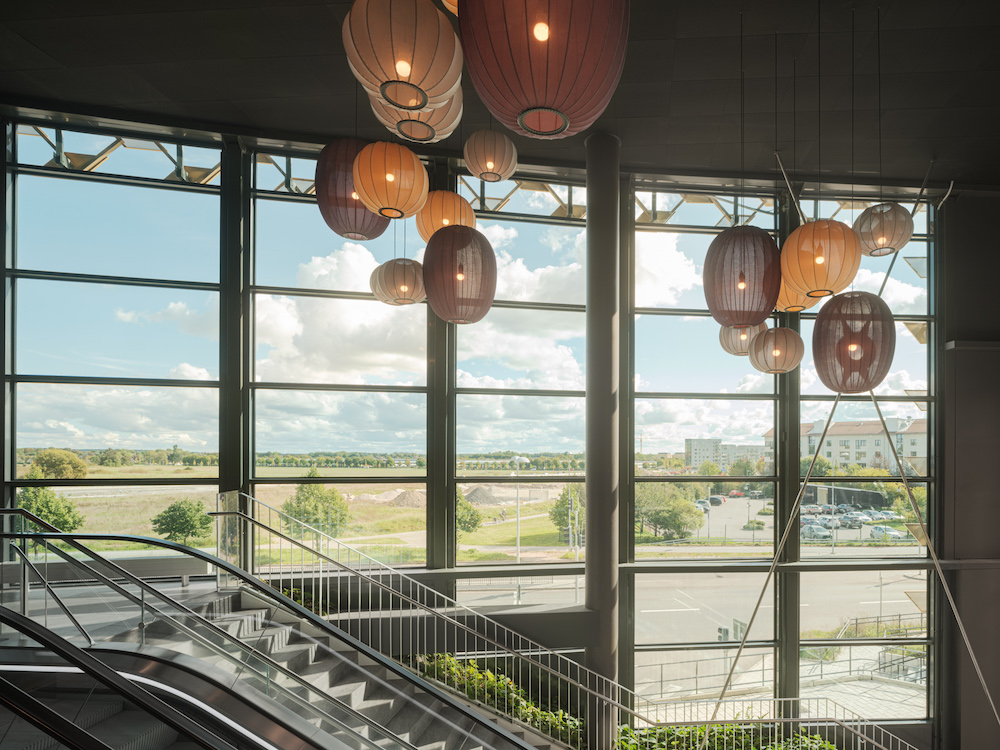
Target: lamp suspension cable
(743,169)
(878,69)
(852,129)
(791,524)
(819,96)
(781,165)
(937,563)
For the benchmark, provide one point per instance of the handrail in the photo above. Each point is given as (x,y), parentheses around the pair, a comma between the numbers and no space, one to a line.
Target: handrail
(297,609)
(58,600)
(109,677)
(28,708)
(246,647)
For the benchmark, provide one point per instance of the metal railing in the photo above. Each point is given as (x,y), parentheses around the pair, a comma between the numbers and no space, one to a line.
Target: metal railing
(431,632)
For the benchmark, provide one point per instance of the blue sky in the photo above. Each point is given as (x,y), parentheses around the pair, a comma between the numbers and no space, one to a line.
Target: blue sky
(118,331)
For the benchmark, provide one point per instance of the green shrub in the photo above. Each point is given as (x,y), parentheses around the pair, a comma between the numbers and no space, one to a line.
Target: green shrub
(753,525)
(720,737)
(766,511)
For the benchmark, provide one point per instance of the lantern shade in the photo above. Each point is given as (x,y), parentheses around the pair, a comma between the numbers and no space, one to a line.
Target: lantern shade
(820,258)
(403,51)
(490,155)
(884,229)
(737,340)
(854,339)
(789,301)
(776,351)
(338,201)
(460,274)
(390,180)
(399,281)
(742,276)
(451,6)
(422,127)
(444,208)
(545,70)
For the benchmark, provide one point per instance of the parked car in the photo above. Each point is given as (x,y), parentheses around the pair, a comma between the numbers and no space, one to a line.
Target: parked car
(890,515)
(716,499)
(814,531)
(828,509)
(885,532)
(704,505)
(735,493)
(847,508)
(829,523)
(851,521)
(756,494)
(875,515)
(808,521)
(809,509)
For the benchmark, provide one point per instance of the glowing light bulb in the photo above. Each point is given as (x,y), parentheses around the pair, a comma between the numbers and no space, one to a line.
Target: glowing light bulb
(404,288)
(820,260)
(743,337)
(489,165)
(461,273)
(541,31)
(390,177)
(776,352)
(354,195)
(403,68)
(741,285)
(852,347)
(446,221)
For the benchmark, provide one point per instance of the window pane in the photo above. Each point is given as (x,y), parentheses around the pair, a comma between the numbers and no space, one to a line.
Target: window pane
(668,269)
(700,607)
(678,675)
(683,354)
(523,349)
(384,520)
(685,520)
(80,226)
(864,604)
(531,197)
(527,424)
(361,432)
(522,590)
(528,522)
(702,209)
(315,340)
(124,432)
(116,331)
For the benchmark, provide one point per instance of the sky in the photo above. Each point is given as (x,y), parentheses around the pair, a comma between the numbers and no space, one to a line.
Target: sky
(143,332)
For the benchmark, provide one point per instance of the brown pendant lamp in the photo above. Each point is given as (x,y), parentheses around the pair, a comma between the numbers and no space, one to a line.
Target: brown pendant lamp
(390,180)
(789,301)
(444,208)
(399,281)
(884,229)
(776,351)
(854,340)
(490,155)
(338,201)
(421,127)
(742,276)
(737,340)
(545,69)
(820,258)
(460,274)
(403,51)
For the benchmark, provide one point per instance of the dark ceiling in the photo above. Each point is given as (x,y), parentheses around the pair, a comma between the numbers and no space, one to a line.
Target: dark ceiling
(278,67)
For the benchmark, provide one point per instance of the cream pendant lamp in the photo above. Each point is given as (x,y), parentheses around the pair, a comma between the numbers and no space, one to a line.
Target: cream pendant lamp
(399,281)
(776,351)
(737,340)
(430,126)
(490,155)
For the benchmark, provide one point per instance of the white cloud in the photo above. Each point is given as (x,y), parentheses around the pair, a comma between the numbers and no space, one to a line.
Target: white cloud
(190,372)
(190,321)
(662,271)
(756,383)
(900,296)
(664,424)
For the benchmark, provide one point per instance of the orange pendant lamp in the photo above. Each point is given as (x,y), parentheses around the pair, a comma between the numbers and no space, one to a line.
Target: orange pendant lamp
(820,258)
(390,180)
(442,209)
(789,301)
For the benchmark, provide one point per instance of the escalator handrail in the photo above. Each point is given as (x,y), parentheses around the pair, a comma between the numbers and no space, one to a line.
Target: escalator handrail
(28,708)
(289,604)
(204,622)
(109,677)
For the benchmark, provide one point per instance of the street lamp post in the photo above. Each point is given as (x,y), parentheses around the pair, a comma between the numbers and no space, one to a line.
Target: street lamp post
(518,460)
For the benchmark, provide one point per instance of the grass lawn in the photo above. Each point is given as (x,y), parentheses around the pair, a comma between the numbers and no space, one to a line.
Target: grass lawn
(535,532)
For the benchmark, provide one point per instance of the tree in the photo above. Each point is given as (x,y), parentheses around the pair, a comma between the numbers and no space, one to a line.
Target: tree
(321,507)
(560,512)
(709,469)
(742,468)
(57,510)
(109,457)
(666,507)
(56,463)
(467,516)
(183,520)
(822,468)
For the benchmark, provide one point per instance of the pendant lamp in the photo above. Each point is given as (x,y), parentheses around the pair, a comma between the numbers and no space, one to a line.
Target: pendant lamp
(490,155)
(444,208)
(545,69)
(390,180)
(789,301)
(404,51)
(776,351)
(423,127)
(820,258)
(737,340)
(884,229)
(854,340)
(742,276)
(399,281)
(338,201)
(460,274)
(451,6)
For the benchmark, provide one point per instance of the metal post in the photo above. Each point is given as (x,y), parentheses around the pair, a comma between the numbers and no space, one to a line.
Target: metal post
(602,431)
(7,448)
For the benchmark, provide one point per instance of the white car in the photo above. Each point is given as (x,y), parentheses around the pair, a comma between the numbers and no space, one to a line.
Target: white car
(814,531)
(704,505)
(885,532)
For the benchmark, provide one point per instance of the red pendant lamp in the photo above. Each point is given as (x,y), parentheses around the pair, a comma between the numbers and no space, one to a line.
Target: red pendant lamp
(338,201)
(545,69)
(404,51)
(854,340)
(742,276)
(460,274)
(820,258)
(444,208)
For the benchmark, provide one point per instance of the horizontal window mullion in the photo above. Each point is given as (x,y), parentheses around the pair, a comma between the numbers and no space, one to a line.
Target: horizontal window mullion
(112,179)
(526,477)
(865,398)
(700,646)
(542,306)
(531,219)
(305,292)
(692,478)
(334,479)
(347,388)
(117,483)
(518,392)
(86,278)
(73,380)
(671,395)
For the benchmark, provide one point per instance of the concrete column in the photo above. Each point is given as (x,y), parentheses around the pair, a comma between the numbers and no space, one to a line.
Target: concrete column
(602,414)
